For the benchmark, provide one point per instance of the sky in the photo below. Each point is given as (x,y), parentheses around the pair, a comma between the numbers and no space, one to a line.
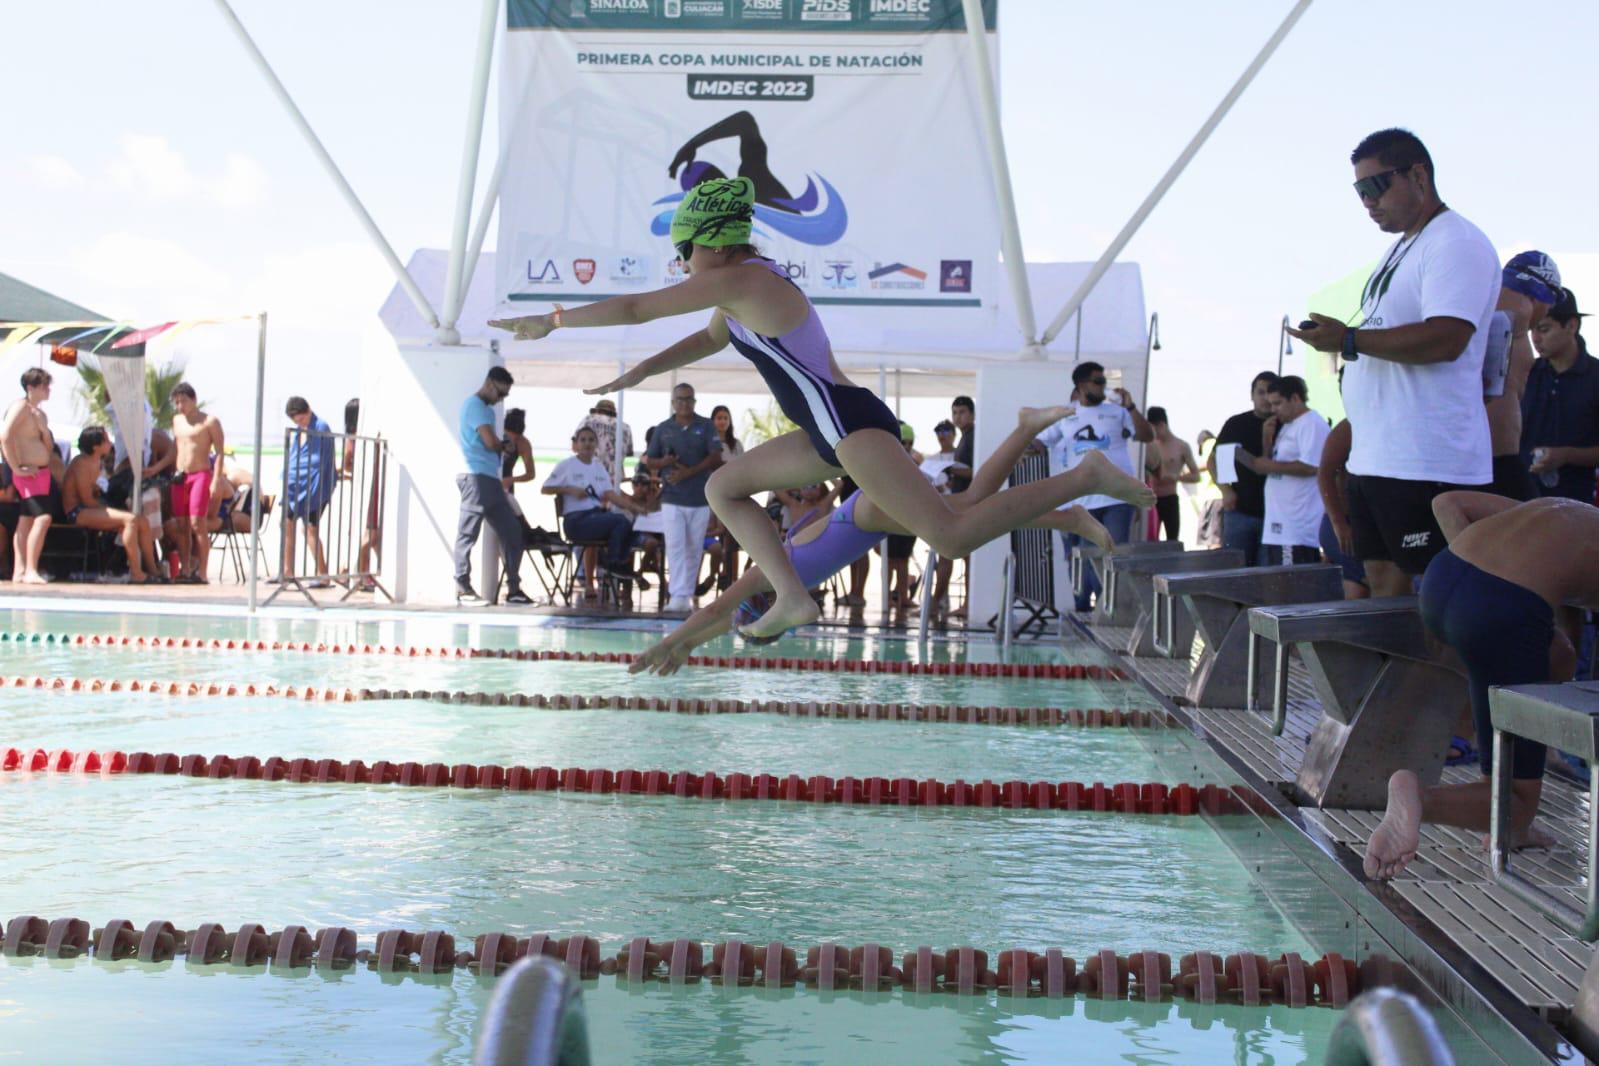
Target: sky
(151,175)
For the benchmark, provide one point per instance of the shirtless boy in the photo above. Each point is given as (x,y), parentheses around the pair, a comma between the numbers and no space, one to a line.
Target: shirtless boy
(1492,596)
(199,440)
(28,446)
(86,508)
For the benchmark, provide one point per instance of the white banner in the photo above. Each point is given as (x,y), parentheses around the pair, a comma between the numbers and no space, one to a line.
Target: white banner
(856,119)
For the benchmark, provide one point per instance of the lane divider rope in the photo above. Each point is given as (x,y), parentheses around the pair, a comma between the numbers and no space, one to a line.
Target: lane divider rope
(1046,671)
(1122,798)
(1205,977)
(1095,717)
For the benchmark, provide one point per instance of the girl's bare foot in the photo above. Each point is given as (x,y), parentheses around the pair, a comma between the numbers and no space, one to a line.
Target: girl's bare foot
(34,578)
(1037,419)
(1079,521)
(785,614)
(1398,835)
(1106,478)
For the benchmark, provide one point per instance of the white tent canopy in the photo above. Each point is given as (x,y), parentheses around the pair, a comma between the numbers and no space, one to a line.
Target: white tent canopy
(936,351)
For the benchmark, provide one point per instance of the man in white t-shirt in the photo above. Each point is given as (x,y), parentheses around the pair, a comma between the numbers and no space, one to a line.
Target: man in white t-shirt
(585,487)
(1094,425)
(1413,379)
(1294,436)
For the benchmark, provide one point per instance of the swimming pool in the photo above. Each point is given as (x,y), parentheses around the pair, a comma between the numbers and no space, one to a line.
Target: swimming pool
(612,867)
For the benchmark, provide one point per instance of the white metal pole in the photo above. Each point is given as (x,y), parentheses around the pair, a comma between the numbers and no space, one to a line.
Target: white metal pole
(401,275)
(1010,233)
(480,232)
(476,103)
(255,494)
(1173,172)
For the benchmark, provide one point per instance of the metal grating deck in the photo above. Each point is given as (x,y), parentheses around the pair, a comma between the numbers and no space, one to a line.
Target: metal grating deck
(1450,882)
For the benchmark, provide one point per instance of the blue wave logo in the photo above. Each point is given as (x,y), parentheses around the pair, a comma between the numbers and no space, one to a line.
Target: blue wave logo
(805,219)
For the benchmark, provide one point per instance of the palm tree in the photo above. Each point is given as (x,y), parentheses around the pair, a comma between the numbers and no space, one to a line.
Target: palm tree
(95,399)
(760,426)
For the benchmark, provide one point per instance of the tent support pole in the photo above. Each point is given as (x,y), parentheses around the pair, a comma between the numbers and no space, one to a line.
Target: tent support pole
(255,465)
(1173,173)
(1010,231)
(470,149)
(401,275)
(491,197)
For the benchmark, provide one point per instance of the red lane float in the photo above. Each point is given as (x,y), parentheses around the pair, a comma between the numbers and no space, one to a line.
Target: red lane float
(1042,671)
(1123,798)
(1019,972)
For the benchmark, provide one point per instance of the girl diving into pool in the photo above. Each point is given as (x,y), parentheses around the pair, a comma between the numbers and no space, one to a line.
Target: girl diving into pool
(843,428)
(821,548)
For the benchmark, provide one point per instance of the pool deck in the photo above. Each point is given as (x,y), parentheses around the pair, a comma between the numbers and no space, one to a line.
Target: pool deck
(1489,939)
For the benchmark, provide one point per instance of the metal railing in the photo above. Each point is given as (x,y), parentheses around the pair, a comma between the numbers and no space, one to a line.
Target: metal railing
(1385,1027)
(535,1018)
(929,572)
(335,485)
(1004,631)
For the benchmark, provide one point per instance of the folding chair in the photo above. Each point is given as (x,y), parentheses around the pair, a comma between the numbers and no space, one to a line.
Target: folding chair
(229,538)
(566,570)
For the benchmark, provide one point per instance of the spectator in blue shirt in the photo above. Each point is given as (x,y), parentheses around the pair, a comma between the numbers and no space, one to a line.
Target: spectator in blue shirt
(308,481)
(483,495)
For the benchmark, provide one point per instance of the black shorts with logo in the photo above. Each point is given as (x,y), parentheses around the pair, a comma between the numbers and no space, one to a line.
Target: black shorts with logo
(1392,520)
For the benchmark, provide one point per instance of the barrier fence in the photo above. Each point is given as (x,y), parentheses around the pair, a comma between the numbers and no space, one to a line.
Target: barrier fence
(332,506)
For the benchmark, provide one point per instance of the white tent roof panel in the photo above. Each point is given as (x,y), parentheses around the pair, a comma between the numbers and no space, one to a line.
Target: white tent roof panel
(936,351)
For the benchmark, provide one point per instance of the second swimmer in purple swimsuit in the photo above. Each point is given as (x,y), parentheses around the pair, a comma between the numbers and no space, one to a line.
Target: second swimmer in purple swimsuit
(823,548)
(843,428)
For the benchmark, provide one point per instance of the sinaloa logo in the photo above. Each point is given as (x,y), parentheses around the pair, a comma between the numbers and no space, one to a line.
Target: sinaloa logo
(826,10)
(619,7)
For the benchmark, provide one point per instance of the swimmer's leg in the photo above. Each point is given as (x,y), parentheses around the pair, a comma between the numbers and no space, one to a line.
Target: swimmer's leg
(784,462)
(886,474)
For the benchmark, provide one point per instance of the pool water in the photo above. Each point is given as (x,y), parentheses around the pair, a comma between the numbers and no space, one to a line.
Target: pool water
(611,867)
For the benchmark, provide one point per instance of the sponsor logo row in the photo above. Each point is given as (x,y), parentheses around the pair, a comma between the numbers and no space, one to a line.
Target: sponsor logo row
(804,10)
(823,275)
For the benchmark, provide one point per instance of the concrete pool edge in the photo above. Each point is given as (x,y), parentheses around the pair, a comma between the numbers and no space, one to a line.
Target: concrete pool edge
(1504,1025)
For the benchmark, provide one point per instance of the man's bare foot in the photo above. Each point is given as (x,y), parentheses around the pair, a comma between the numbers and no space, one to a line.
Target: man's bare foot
(782,616)
(34,578)
(1531,837)
(1106,478)
(1398,835)
(1037,419)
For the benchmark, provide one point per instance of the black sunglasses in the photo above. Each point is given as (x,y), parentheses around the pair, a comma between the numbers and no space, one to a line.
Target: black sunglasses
(1373,186)
(684,249)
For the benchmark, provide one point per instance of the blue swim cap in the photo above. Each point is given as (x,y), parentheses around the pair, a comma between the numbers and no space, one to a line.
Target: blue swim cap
(751,610)
(1534,275)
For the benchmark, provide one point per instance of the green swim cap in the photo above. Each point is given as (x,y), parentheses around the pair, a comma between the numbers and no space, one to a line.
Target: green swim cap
(907,434)
(716,213)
